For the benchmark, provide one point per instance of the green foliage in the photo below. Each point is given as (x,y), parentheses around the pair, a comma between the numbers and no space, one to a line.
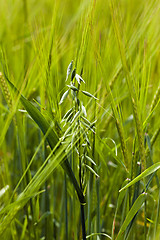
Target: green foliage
(99,114)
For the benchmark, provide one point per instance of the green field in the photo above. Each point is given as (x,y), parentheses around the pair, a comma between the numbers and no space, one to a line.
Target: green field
(79,119)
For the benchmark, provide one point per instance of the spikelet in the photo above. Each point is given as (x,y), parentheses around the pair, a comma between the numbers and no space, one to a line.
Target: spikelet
(5,90)
(140,135)
(6,94)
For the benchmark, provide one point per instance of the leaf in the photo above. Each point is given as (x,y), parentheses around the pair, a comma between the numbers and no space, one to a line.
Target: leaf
(69,117)
(67,113)
(73,74)
(84,110)
(134,209)
(52,138)
(87,126)
(72,87)
(69,69)
(147,172)
(86,120)
(91,170)
(75,116)
(89,94)
(64,97)
(79,79)
(85,137)
(90,159)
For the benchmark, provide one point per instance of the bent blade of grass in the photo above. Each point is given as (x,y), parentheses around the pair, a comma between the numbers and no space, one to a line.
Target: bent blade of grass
(135,208)
(52,138)
(98,234)
(144,174)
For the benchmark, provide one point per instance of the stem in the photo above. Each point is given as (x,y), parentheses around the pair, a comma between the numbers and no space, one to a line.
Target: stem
(145,220)
(80,177)
(65,203)
(89,204)
(83,222)
(98,205)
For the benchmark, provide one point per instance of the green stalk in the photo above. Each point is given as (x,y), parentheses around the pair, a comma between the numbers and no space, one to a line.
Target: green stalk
(98,205)
(80,177)
(61,215)
(65,207)
(89,198)
(83,222)
(157,216)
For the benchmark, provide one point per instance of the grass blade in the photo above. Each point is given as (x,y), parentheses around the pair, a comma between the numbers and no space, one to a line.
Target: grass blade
(144,174)
(135,208)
